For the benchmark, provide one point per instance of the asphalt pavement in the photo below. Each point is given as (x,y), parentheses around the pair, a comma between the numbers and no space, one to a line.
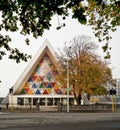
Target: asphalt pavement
(59,121)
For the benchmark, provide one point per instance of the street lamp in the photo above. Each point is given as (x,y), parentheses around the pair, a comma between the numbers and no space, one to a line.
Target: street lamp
(68,89)
(67,85)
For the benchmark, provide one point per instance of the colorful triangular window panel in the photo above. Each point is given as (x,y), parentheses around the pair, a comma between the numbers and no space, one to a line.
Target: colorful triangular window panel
(38,79)
(41,77)
(59,91)
(22,92)
(56,86)
(45,92)
(49,86)
(49,90)
(37,92)
(34,77)
(26,90)
(30,79)
(26,85)
(52,84)
(49,73)
(49,77)
(56,90)
(45,84)
(41,85)
(34,86)
(30,92)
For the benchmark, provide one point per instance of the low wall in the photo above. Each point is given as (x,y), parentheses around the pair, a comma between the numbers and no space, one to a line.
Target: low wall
(92,108)
(63,108)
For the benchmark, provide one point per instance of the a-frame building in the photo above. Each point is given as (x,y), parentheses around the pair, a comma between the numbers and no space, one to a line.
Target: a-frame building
(38,82)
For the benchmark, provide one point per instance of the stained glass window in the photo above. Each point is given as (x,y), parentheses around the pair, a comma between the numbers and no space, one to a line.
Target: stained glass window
(42,80)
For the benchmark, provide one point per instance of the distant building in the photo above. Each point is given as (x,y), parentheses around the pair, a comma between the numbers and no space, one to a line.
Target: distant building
(38,83)
(118,88)
(110,86)
(1,99)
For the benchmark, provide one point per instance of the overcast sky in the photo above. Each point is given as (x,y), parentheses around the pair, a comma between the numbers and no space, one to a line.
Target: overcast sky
(10,71)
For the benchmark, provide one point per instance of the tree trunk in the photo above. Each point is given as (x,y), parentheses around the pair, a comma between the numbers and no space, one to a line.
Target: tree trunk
(78,99)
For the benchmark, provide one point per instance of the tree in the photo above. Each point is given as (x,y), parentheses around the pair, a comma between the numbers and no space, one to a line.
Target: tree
(34,16)
(104,17)
(88,73)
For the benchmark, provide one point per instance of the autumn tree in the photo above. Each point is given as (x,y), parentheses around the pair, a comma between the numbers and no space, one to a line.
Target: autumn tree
(104,18)
(87,72)
(34,16)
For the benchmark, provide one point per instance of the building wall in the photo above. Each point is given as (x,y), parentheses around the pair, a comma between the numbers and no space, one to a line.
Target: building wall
(41,82)
(118,87)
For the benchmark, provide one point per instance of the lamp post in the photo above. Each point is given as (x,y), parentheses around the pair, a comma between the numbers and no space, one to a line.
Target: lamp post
(67,85)
(68,89)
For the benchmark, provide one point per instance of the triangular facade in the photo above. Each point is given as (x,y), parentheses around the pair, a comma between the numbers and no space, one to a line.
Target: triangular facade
(39,82)
(39,78)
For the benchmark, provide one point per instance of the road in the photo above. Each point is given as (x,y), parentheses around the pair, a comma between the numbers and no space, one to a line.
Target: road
(59,121)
